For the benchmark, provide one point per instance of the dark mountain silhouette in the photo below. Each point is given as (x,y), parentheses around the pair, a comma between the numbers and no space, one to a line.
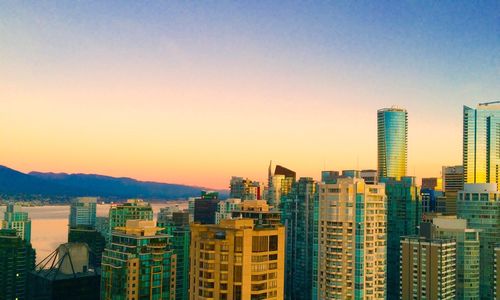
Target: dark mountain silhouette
(13,182)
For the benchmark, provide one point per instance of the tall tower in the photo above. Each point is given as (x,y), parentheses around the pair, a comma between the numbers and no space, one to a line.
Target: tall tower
(404,213)
(237,259)
(17,259)
(352,241)
(481,149)
(392,137)
(139,263)
(298,218)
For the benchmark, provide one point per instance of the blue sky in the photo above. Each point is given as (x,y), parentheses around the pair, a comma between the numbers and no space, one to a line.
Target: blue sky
(267,62)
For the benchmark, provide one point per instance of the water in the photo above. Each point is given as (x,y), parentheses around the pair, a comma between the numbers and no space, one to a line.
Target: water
(49,224)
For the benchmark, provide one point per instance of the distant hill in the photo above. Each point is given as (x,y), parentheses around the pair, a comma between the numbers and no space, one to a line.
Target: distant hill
(13,182)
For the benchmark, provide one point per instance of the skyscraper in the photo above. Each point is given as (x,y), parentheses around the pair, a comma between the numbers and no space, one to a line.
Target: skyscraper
(404,213)
(392,137)
(133,209)
(298,218)
(17,259)
(176,225)
(481,149)
(352,240)
(479,204)
(237,260)
(138,264)
(19,220)
(467,253)
(83,212)
(427,268)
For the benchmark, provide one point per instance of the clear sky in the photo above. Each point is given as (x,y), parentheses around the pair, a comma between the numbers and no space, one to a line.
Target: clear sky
(194,92)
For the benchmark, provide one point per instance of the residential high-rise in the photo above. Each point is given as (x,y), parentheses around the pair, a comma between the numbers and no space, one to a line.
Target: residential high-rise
(83,212)
(481,150)
(17,259)
(479,204)
(139,263)
(237,260)
(298,218)
(352,240)
(404,214)
(67,273)
(225,209)
(245,189)
(176,225)
(133,209)
(467,253)
(453,181)
(427,268)
(392,141)
(15,218)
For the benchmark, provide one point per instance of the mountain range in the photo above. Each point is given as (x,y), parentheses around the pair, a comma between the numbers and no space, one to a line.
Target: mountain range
(15,183)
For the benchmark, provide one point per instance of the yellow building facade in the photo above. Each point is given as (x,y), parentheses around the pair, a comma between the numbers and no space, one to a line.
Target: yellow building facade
(237,260)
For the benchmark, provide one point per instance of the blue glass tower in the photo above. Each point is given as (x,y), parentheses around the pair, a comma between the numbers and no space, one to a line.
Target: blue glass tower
(392,129)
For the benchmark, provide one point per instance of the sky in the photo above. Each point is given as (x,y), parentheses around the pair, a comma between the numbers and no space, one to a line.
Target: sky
(196,92)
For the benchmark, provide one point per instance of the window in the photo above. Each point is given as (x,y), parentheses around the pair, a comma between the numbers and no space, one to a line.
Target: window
(273,243)
(260,243)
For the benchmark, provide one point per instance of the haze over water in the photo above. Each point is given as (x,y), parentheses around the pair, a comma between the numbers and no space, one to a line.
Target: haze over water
(49,224)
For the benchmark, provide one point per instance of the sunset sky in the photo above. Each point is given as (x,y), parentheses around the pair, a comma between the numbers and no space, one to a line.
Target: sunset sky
(195,92)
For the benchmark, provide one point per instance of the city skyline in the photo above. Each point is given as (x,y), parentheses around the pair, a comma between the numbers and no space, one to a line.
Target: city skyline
(170,93)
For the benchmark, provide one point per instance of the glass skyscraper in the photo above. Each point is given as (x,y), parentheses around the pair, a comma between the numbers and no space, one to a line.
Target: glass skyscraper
(404,213)
(481,146)
(392,128)
(479,204)
(298,218)
(17,259)
(139,263)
